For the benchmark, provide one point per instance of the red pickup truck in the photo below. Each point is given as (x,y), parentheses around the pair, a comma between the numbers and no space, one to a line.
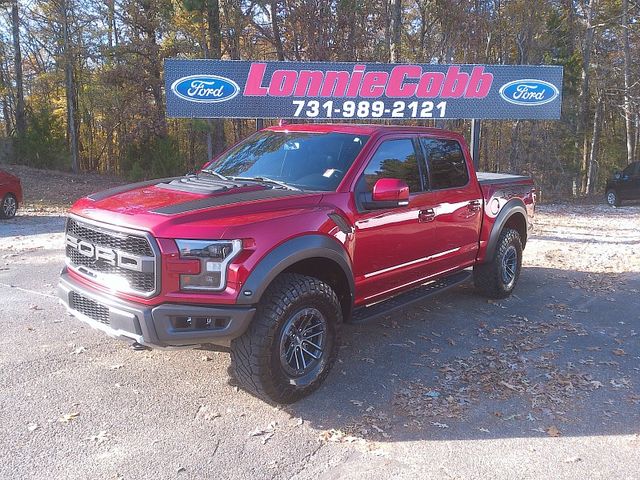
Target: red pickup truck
(269,248)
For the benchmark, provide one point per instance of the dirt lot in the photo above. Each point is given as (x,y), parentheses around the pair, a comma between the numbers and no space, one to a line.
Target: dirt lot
(545,384)
(53,191)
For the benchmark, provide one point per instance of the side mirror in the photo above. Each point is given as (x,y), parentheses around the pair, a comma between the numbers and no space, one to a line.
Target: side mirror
(617,175)
(389,193)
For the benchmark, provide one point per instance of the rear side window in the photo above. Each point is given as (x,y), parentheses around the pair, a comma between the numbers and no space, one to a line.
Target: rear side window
(447,166)
(631,170)
(394,159)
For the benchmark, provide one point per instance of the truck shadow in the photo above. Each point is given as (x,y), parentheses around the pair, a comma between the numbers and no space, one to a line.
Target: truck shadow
(560,357)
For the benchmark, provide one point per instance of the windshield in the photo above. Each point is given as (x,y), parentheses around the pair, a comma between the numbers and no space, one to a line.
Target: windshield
(308,161)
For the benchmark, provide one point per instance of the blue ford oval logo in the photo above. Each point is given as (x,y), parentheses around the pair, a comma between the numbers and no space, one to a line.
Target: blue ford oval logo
(205,88)
(529,92)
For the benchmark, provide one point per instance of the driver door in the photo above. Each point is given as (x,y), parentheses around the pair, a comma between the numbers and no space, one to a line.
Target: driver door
(393,245)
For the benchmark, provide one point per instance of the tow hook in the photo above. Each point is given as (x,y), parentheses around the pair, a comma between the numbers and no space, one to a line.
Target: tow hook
(138,347)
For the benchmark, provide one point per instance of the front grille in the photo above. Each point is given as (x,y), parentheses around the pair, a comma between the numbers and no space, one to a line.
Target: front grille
(143,283)
(88,307)
(107,238)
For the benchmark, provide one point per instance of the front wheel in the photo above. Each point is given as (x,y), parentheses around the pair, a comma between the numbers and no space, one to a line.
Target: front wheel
(9,206)
(498,278)
(292,343)
(613,199)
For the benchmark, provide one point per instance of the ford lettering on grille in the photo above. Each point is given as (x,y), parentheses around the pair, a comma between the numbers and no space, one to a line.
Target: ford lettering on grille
(111,256)
(205,88)
(529,92)
(120,260)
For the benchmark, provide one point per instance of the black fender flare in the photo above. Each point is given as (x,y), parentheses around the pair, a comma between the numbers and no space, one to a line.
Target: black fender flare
(511,208)
(289,253)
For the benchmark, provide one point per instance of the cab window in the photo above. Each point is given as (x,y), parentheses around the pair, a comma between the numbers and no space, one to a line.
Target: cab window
(446,162)
(395,159)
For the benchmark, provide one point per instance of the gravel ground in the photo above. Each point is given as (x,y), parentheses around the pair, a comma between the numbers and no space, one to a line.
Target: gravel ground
(544,384)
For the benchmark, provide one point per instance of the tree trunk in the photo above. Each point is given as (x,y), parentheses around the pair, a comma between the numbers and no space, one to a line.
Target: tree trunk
(21,122)
(4,85)
(628,121)
(582,135)
(275,26)
(396,30)
(70,91)
(592,177)
(215,135)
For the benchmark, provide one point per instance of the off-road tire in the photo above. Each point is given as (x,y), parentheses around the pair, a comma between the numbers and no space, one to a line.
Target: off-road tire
(488,277)
(9,197)
(612,198)
(255,356)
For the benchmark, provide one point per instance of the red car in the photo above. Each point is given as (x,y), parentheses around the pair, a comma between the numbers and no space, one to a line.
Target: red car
(10,193)
(273,245)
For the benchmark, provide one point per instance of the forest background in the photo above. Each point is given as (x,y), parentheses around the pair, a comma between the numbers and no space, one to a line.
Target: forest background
(81,81)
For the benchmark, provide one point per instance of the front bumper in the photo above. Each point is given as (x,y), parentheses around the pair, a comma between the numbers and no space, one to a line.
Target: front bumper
(162,326)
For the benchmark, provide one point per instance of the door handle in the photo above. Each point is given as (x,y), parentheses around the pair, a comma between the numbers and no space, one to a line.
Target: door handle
(474,206)
(428,215)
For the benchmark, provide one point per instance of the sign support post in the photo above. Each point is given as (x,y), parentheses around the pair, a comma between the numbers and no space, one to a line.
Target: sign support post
(475,142)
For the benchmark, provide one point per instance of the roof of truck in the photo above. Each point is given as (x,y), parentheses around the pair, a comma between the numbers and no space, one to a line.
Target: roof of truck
(356,128)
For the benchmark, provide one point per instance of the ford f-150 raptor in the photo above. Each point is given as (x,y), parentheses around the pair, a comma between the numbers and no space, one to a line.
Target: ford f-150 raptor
(270,247)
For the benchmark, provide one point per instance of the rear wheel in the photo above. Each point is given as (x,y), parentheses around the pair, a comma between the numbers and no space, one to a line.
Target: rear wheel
(498,278)
(9,206)
(292,343)
(613,199)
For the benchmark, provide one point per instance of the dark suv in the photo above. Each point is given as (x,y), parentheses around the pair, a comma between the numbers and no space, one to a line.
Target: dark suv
(624,185)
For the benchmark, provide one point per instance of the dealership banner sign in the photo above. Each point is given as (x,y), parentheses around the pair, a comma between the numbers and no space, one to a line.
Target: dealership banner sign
(329,90)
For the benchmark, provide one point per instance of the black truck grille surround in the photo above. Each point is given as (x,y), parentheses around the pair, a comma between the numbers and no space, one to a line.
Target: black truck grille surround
(88,307)
(143,283)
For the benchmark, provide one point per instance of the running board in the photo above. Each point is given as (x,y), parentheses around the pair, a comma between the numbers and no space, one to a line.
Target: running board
(429,289)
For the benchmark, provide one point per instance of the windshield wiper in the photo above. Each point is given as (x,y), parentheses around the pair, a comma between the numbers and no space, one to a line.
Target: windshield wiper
(267,180)
(213,172)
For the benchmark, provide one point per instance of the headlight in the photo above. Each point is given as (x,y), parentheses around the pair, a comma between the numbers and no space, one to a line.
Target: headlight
(214,256)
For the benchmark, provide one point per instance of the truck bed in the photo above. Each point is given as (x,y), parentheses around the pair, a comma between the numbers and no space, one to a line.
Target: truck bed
(499,178)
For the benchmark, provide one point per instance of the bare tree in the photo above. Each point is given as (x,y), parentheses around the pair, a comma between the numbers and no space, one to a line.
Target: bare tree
(582,134)
(396,31)
(70,87)
(20,120)
(628,115)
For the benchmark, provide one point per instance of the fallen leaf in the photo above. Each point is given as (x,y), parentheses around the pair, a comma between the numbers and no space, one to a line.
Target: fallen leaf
(101,437)
(263,431)
(78,351)
(573,460)
(509,386)
(206,413)
(439,425)
(618,352)
(116,367)
(357,403)
(67,417)
(553,431)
